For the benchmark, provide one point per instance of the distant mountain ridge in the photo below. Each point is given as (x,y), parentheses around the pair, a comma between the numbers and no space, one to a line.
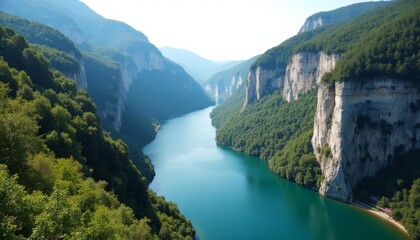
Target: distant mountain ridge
(198,67)
(225,83)
(135,61)
(339,15)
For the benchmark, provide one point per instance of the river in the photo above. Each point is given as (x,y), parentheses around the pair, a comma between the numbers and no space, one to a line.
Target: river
(229,195)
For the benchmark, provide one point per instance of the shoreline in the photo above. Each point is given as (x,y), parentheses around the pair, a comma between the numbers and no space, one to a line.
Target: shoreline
(381,215)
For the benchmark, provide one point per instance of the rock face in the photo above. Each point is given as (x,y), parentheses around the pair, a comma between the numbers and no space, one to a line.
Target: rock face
(360,126)
(311,23)
(221,89)
(223,84)
(303,73)
(261,82)
(145,60)
(80,77)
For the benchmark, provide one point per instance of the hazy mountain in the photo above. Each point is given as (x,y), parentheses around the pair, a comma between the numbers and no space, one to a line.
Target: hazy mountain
(198,67)
(118,58)
(225,83)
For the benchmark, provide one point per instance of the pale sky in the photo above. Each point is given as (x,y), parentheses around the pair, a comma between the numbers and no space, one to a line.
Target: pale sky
(216,29)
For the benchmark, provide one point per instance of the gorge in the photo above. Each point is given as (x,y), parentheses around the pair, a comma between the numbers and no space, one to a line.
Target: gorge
(97,122)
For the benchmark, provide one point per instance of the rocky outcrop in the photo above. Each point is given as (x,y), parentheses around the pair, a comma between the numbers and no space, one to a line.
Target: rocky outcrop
(305,72)
(311,23)
(220,90)
(148,60)
(143,61)
(80,76)
(360,126)
(261,82)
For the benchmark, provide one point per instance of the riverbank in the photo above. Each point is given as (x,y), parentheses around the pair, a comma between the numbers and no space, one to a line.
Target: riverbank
(380,214)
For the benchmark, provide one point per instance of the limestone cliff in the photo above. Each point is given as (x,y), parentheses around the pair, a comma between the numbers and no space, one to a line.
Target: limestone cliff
(223,84)
(222,89)
(311,23)
(80,76)
(359,126)
(261,82)
(303,73)
(130,67)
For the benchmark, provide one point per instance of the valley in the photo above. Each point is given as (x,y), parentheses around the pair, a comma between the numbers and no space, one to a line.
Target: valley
(105,135)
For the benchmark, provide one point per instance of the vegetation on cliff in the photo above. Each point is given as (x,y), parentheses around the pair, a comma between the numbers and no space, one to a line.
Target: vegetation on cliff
(275,130)
(58,167)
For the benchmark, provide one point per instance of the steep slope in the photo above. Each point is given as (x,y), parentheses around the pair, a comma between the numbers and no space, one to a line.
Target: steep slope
(198,67)
(103,75)
(375,92)
(138,61)
(366,62)
(223,84)
(273,69)
(338,15)
(52,147)
(61,49)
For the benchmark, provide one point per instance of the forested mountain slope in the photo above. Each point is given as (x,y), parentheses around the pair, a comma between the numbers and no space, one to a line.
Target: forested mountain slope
(334,105)
(338,15)
(55,159)
(135,65)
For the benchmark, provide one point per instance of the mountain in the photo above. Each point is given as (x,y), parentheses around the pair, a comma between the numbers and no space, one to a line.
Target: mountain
(61,175)
(335,108)
(339,15)
(120,68)
(223,84)
(198,67)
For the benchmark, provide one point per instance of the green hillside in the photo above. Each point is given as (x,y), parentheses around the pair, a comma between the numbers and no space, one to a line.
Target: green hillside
(344,13)
(381,43)
(57,164)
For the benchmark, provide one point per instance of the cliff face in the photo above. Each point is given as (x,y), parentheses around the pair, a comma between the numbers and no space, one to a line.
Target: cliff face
(80,76)
(145,60)
(222,89)
(223,84)
(303,73)
(311,23)
(261,82)
(360,126)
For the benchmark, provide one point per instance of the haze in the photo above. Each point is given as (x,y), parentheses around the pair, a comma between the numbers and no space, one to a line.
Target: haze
(215,29)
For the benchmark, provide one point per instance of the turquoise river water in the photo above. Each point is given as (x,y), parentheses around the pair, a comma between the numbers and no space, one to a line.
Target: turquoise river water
(229,195)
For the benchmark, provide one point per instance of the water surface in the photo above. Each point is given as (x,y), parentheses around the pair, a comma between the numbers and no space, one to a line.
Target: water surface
(229,195)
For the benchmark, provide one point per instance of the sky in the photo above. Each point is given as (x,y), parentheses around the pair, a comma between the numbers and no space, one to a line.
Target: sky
(216,29)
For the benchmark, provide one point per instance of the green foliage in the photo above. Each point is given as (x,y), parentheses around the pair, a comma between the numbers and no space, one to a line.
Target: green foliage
(62,61)
(172,227)
(226,111)
(275,130)
(381,42)
(390,50)
(391,183)
(51,138)
(38,33)
(278,57)
(406,208)
(345,13)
